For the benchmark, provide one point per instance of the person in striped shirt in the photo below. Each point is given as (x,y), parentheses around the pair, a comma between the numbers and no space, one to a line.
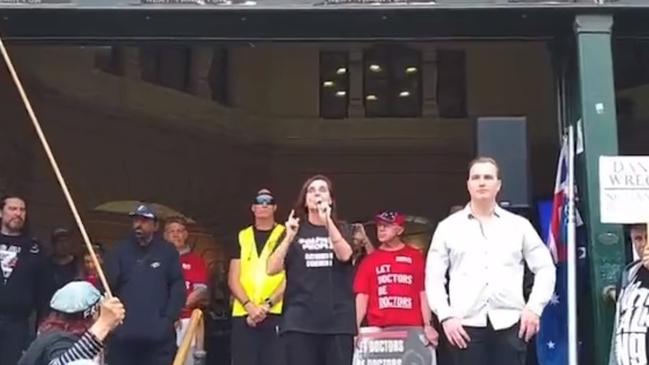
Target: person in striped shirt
(76,328)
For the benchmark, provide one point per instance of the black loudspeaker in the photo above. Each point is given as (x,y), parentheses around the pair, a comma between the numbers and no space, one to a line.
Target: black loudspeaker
(505,140)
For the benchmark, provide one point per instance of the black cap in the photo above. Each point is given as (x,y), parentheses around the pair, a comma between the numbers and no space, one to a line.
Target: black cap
(264,197)
(143,211)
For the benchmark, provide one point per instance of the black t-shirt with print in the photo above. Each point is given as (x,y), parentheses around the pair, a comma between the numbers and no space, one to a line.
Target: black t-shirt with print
(631,340)
(25,277)
(319,297)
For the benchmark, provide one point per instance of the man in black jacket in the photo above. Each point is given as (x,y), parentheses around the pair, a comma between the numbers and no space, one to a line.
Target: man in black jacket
(144,272)
(23,285)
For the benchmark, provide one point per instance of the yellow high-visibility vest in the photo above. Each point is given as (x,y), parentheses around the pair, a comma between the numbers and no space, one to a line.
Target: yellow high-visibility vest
(258,285)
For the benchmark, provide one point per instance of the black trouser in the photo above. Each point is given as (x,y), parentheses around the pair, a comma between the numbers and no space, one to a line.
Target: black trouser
(122,352)
(313,349)
(218,334)
(257,345)
(491,347)
(444,356)
(13,339)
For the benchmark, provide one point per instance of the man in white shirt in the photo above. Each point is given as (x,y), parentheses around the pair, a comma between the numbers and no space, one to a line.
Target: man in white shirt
(482,246)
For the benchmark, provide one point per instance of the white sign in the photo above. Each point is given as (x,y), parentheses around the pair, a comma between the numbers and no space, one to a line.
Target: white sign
(624,189)
(580,138)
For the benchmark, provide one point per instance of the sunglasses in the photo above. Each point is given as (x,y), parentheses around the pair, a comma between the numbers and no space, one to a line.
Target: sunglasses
(264,200)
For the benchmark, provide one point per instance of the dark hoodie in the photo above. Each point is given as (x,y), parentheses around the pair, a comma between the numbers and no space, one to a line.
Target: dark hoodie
(47,347)
(149,281)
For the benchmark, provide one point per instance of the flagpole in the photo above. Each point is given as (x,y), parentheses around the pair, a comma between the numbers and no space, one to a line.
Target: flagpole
(572,253)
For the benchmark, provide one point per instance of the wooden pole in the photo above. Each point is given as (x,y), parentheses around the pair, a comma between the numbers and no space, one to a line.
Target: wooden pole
(194,331)
(55,166)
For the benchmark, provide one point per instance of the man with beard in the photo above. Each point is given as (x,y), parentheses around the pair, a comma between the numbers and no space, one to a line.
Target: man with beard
(24,279)
(144,272)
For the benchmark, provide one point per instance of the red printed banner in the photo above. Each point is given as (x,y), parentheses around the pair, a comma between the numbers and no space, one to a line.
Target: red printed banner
(393,346)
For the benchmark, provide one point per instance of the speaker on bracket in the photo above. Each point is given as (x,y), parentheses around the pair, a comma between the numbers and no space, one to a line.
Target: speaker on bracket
(505,140)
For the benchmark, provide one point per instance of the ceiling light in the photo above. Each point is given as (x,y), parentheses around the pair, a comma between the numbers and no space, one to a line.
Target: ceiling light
(371,98)
(411,70)
(341,93)
(375,68)
(404,94)
(328,84)
(341,71)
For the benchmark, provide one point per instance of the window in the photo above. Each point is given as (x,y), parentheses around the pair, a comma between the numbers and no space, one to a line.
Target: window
(334,84)
(392,82)
(451,83)
(218,76)
(110,59)
(166,66)
(630,64)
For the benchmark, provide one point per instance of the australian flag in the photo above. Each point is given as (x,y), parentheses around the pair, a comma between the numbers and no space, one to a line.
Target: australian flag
(552,339)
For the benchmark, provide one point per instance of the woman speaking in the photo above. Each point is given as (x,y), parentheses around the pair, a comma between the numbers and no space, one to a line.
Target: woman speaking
(318,323)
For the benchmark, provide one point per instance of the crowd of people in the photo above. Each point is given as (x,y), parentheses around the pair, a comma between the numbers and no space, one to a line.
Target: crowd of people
(303,290)
(155,277)
(300,291)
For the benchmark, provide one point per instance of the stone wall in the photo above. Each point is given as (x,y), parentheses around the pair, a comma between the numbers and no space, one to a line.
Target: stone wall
(120,138)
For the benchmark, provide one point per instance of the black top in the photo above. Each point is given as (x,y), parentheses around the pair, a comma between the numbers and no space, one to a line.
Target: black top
(319,297)
(633,321)
(260,241)
(24,285)
(62,274)
(149,281)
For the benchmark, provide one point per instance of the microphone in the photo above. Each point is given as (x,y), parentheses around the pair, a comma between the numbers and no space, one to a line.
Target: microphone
(322,207)
(321,202)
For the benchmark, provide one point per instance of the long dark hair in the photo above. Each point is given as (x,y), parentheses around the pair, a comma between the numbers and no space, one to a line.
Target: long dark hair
(25,231)
(301,211)
(74,324)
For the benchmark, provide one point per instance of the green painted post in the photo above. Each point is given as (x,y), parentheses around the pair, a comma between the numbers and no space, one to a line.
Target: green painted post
(596,100)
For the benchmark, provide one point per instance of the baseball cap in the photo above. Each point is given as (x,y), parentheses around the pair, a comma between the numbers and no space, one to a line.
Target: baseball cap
(391,217)
(76,297)
(59,233)
(264,197)
(98,247)
(143,210)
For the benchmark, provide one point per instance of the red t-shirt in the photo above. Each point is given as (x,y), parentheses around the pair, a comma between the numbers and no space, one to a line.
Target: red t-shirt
(195,274)
(94,280)
(393,280)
